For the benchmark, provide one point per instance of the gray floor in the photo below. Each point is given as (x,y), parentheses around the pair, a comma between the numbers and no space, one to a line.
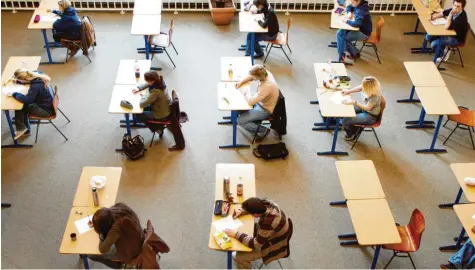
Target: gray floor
(176,190)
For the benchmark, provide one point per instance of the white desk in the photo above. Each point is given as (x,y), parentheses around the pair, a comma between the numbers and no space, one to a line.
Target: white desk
(147,7)
(337,22)
(126,71)
(240,66)
(248,24)
(46,22)
(124,92)
(146,25)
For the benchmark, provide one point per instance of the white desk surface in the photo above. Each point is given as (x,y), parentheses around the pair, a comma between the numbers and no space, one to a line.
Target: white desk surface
(424,13)
(148,7)
(236,99)
(126,71)
(244,173)
(14,63)
(248,23)
(437,100)
(240,66)
(46,17)
(146,25)
(124,92)
(424,74)
(337,22)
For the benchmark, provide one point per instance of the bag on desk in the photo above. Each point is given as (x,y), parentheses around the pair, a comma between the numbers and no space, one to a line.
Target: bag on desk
(271,151)
(133,148)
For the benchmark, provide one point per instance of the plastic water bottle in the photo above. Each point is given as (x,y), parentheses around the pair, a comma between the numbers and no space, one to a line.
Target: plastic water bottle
(137,69)
(230,71)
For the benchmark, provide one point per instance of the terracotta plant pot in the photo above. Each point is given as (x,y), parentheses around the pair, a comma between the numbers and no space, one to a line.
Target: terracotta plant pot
(222,16)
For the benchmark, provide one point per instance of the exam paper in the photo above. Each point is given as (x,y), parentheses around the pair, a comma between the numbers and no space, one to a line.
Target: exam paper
(11,87)
(48,18)
(82,224)
(337,98)
(439,21)
(227,223)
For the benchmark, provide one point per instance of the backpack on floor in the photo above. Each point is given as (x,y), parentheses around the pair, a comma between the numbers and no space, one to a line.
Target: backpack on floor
(271,151)
(133,148)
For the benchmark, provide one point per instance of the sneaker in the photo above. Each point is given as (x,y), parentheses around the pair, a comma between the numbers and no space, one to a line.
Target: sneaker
(438,60)
(261,138)
(348,60)
(20,133)
(447,54)
(444,266)
(176,148)
(259,55)
(349,138)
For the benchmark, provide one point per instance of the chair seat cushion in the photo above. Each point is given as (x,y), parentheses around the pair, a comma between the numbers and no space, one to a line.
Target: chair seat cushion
(34,117)
(280,39)
(160,40)
(407,243)
(159,122)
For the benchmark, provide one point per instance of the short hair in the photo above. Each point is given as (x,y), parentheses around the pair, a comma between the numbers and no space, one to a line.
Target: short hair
(65,3)
(371,86)
(463,2)
(259,72)
(254,205)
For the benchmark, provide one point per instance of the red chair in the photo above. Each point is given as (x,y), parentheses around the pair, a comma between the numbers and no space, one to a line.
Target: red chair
(375,125)
(410,237)
(456,48)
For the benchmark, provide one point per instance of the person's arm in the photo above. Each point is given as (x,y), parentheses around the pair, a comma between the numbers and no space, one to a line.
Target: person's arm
(57,12)
(349,12)
(30,96)
(264,23)
(353,90)
(372,101)
(245,80)
(140,87)
(264,232)
(260,96)
(357,21)
(151,98)
(112,236)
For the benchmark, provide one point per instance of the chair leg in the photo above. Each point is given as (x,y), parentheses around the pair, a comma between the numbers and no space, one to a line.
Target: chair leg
(357,138)
(286,54)
(280,265)
(67,54)
(174,48)
(376,51)
(64,115)
(362,47)
(446,122)
(37,130)
(51,122)
(267,47)
(260,267)
(151,142)
(88,58)
(268,52)
(471,138)
(410,258)
(375,135)
(169,57)
(460,56)
(445,54)
(390,260)
(289,48)
(153,52)
(255,134)
(451,134)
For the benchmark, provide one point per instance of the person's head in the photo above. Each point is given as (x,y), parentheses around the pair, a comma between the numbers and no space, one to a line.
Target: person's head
(102,221)
(254,206)
(355,3)
(459,5)
(152,78)
(27,76)
(260,4)
(371,86)
(64,4)
(259,72)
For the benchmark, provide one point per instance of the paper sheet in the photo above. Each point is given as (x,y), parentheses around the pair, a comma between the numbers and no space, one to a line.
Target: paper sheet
(438,21)
(337,98)
(82,224)
(48,18)
(11,87)
(227,223)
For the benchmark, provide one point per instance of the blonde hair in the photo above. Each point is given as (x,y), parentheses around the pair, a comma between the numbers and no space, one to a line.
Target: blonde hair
(371,86)
(64,3)
(26,75)
(259,72)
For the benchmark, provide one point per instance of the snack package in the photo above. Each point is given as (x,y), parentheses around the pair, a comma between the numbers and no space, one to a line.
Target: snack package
(223,240)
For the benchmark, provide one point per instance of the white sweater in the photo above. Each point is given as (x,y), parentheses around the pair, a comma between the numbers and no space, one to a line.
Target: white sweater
(267,94)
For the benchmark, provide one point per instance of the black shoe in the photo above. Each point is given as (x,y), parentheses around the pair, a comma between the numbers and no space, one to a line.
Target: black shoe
(247,54)
(261,138)
(350,138)
(176,148)
(259,55)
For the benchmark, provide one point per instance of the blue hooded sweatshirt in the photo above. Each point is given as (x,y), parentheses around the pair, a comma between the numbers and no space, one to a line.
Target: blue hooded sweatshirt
(362,18)
(69,25)
(38,94)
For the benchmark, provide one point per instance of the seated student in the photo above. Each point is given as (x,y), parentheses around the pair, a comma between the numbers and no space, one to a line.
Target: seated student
(157,106)
(263,102)
(68,26)
(272,233)
(38,101)
(357,16)
(462,259)
(456,20)
(367,113)
(270,21)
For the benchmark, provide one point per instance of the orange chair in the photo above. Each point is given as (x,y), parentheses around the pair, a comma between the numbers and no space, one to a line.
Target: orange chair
(410,237)
(375,125)
(456,48)
(163,41)
(281,41)
(374,38)
(466,119)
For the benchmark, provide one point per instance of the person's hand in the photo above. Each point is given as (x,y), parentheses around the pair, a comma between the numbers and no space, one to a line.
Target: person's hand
(345,92)
(9,94)
(142,93)
(345,19)
(230,233)
(254,11)
(49,10)
(237,213)
(135,91)
(238,85)
(349,102)
(257,19)
(452,12)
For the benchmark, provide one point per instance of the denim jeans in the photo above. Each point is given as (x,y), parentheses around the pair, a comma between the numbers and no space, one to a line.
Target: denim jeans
(247,120)
(109,258)
(257,47)
(439,44)
(345,39)
(21,117)
(362,118)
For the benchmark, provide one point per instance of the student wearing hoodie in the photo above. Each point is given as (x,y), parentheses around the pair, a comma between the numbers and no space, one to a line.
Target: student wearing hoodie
(357,16)
(270,21)
(38,101)
(68,26)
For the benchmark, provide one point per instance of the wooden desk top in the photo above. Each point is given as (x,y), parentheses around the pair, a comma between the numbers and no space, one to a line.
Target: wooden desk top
(124,92)
(126,71)
(322,71)
(146,25)
(337,22)
(466,214)
(86,243)
(330,109)
(424,13)
(14,63)
(236,173)
(46,18)
(462,170)
(373,222)
(248,24)
(148,7)
(240,65)
(107,194)
(359,180)
(247,227)
(236,99)
(437,100)
(424,74)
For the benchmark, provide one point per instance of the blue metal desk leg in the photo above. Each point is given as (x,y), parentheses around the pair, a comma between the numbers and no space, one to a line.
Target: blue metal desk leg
(335,203)
(434,140)
(457,200)
(12,132)
(234,145)
(253,41)
(147,52)
(230,260)
(375,257)
(415,32)
(50,60)
(411,97)
(134,124)
(335,137)
(314,102)
(420,123)
(84,261)
(129,132)
(326,125)
(457,246)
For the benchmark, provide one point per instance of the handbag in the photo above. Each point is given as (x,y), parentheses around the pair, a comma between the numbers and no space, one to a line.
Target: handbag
(271,151)
(133,148)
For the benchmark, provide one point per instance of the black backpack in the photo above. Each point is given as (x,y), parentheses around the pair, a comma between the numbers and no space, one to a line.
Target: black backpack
(133,148)
(271,151)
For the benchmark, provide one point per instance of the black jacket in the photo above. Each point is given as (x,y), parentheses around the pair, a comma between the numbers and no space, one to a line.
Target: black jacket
(279,116)
(459,25)
(270,20)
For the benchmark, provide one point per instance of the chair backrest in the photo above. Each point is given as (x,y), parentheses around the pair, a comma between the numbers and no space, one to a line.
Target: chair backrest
(466,37)
(416,227)
(379,27)
(380,116)
(289,24)
(466,117)
(170,32)
(88,32)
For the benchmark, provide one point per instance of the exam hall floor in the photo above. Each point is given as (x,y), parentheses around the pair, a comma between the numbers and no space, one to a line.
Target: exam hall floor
(176,190)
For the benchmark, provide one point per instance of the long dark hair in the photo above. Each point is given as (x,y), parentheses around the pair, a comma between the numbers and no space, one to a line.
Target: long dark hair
(152,76)
(104,218)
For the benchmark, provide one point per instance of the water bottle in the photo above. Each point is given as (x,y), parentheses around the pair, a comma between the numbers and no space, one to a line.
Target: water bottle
(226,181)
(137,69)
(95,196)
(331,70)
(230,71)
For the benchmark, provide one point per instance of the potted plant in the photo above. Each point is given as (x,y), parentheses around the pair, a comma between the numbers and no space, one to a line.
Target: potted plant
(222,11)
